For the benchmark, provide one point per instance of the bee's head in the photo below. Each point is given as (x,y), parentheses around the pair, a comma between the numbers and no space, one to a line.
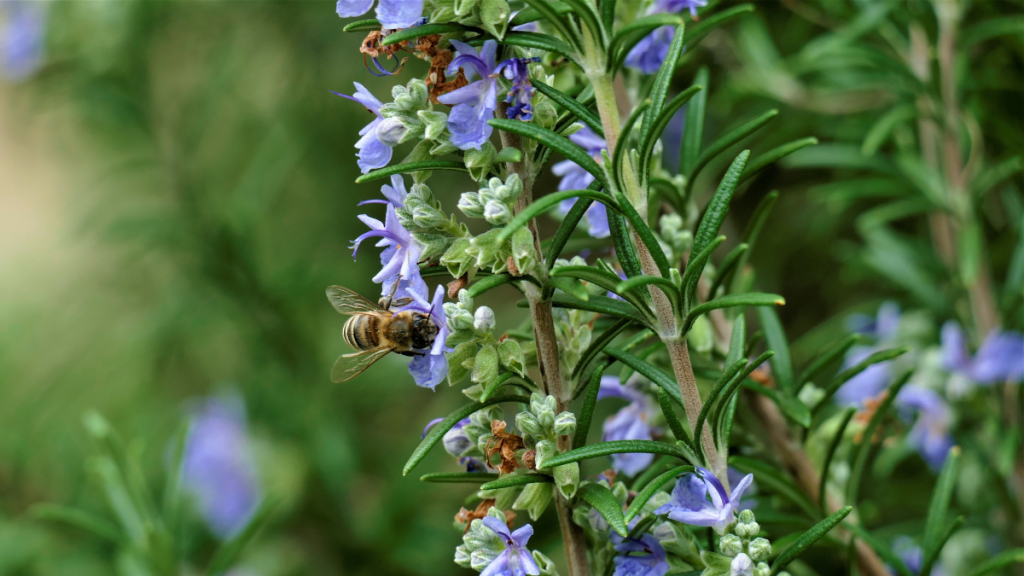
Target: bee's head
(424,331)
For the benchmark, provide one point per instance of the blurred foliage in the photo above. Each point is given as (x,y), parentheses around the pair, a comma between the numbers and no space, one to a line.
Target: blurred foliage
(206,199)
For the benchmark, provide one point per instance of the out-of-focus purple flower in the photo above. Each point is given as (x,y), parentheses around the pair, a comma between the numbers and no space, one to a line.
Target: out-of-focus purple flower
(875,378)
(21,38)
(430,369)
(649,54)
(1000,358)
(519,95)
(575,177)
(372,153)
(629,423)
(701,500)
(217,465)
(611,294)
(749,503)
(455,441)
(391,13)
(515,560)
(930,434)
(400,257)
(642,556)
(913,557)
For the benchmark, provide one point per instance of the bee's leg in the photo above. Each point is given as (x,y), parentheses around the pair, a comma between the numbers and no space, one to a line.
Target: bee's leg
(386,301)
(412,353)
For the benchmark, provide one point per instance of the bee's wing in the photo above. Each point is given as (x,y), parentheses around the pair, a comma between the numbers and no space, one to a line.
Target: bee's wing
(348,366)
(349,303)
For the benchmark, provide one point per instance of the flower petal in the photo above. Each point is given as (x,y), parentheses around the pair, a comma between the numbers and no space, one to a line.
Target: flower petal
(352,8)
(399,13)
(497,526)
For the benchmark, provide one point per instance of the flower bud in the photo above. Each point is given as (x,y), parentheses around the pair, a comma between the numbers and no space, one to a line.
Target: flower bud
(760,549)
(497,213)
(481,558)
(426,216)
(435,123)
(545,451)
(470,205)
(456,441)
(567,478)
(731,545)
(741,566)
(766,570)
(483,320)
(462,556)
(527,423)
(565,424)
(534,499)
(458,317)
(391,131)
(746,516)
(465,300)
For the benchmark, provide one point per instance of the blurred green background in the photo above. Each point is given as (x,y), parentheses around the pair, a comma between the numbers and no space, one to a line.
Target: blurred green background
(176,191)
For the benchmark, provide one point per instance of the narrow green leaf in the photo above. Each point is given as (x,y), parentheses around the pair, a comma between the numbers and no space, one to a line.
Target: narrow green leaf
(597,345)
(658,127)
(725,141)
(769,477)
(651,372)
(627,36)
(716,211)
(528,15)
(728,389)
(459,477)
(832,446)
(775,335)
(226,556)
(845,375)
(602,499)
(570,286)
(723,420)
(570,105)
(615,447)
(991,28)
(587,411)
(760,161)
(80,519)
(411,167)
(417,32)
(601,305)
(693,132)
(606,280)
(935,522)
(554,141)
(489,283)
(646,235)
(662,82)
(728,266)
(540,42)
(639,282)
(556,19)
(545,203)
(860,458)
(590,18)
(608,13)
(620,151)
(695,267)
(652,488)
(707,25)
(678,430)
(568,226)
(709,402)
(884,126)
(508,378)
(731,301)
(437,431)
(508,481)
(624,249)
(929,560)
(362,25)
(826,358)
(809,538)
(1001,560)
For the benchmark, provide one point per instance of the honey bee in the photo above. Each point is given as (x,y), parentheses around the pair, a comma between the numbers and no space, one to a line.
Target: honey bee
(375,330)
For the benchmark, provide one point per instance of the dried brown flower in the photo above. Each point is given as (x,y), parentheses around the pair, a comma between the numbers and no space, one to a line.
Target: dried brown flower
(466,517)
(530,459)
(437,77)
(371,47)
(458,284)
(763,378)
(504,445)
(512,268)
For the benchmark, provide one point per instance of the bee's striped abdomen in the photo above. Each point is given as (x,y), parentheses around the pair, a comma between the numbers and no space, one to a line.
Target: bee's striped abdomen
(362,332)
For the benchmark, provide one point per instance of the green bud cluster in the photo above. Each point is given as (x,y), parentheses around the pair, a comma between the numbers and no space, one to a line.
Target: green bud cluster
(493,201)
(478,431)
(742,550)
(541,428)
(675,234)
(480,545)
(491,15)
(476,350)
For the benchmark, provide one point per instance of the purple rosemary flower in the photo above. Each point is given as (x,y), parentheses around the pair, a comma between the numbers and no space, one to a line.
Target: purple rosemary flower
(372,153)
(750,502)
(642,556)
(629,423)
(400,257)
(1000,358)
(913,557)
(649,54)
(455,441)
(475,103)
(576,178)
(515,560)
(217,465)
(700,500)
(930,434)
(430,369)
(875,378)
(391,13)
(21,38)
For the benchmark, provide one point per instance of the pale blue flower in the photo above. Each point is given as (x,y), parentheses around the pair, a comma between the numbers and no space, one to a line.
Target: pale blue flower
(217,465)
(400,257)
(930,433)
(21,38)
(372,153)
(642,556)
(475,103)
(649,54)
(912,556)
(392,14)
(701,500)
(874,379)
(431,367)
(515,560)
(574,177)
(1000,358)
(630,423)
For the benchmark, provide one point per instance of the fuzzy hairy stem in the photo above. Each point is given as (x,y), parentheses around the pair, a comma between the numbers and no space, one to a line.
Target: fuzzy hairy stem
(608,108)
(547,354)
(795,459)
